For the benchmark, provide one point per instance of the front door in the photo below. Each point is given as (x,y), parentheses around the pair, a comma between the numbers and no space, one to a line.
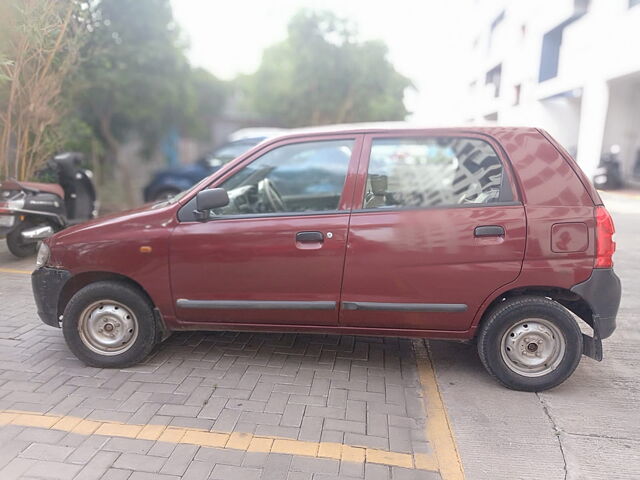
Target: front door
(434,230)
(275,254)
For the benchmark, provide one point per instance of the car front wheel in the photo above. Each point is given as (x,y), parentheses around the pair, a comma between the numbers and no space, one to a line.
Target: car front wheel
(530,343)
(109,325)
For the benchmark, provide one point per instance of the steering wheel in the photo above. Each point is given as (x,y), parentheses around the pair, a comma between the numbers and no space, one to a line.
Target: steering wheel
(270,195)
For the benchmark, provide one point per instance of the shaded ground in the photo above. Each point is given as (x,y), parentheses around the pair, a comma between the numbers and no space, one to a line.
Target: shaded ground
(587,428)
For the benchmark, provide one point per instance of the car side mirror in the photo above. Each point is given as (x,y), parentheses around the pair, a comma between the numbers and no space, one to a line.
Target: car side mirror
(208,200)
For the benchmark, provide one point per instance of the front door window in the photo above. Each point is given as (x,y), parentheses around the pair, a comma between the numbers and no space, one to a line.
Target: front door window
(297,178)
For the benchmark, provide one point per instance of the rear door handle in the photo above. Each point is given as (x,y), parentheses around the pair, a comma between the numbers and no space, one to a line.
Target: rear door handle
(489,231)
(309,237)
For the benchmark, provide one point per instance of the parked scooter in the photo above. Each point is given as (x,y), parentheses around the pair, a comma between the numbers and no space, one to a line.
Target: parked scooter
(608,175)
(30,211)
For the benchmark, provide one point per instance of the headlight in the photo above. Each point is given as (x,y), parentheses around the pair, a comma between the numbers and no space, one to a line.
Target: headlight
(43,255)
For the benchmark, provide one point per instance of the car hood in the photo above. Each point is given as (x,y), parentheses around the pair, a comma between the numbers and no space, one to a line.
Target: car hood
(151,215)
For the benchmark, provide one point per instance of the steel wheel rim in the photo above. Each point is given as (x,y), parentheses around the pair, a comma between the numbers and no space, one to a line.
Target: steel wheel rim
(108,327)
(533,347)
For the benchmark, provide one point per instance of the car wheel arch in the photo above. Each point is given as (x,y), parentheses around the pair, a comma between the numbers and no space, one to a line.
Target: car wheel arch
(565,297)
(81,280)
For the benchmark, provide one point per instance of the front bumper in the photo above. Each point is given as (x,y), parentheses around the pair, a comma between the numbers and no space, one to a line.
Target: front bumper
(47,285)
(602,292)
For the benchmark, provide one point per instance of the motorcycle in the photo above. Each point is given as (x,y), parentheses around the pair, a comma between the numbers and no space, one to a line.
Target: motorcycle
(31,211)
(608,175)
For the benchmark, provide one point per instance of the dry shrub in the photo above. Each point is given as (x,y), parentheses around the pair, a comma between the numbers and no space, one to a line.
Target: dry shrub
(40,41)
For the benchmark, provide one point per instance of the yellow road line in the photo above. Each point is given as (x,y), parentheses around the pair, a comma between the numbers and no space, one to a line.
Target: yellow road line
(227,440)
(13,270)
(439,432)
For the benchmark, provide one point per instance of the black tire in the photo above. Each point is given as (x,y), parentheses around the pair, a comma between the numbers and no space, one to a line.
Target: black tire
(103,292)
(514,317)
(165,194)
(17,245)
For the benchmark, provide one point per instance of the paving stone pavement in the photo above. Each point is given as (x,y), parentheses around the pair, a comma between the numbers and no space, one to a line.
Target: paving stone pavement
(323,390)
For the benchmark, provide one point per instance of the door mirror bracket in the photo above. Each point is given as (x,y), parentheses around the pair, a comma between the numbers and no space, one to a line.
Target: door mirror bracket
(201,216)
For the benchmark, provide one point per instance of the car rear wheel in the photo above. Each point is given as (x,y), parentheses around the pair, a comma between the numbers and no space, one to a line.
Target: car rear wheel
(530,343)
(109,324)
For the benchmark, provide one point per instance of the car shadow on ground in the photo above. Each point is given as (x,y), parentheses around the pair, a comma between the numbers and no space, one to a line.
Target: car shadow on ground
(457,360)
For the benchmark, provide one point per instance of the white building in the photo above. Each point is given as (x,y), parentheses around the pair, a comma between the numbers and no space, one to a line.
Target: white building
(571,67)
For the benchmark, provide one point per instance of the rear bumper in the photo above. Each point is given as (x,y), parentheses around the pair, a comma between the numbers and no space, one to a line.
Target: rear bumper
(602,292)
(47,285)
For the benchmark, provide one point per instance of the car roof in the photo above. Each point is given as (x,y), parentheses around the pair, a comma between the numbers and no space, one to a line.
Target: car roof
(254,132)
(391,127)
(253,140)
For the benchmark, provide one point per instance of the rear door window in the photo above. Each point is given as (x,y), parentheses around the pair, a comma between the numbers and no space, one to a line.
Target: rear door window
(425,172)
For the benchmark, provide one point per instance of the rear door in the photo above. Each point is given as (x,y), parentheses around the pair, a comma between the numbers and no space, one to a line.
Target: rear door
(436,227)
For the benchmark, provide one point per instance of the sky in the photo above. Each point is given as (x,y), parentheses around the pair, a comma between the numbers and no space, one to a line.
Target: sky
(425,38)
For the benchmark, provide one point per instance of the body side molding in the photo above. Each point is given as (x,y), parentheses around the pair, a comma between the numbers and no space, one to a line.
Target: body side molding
(406,307)
(254,305)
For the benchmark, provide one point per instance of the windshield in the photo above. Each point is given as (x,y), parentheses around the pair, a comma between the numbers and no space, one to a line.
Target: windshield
(229,151)
(177,197)
(236,148)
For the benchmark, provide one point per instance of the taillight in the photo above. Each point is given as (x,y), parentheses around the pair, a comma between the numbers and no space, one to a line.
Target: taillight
(605,246)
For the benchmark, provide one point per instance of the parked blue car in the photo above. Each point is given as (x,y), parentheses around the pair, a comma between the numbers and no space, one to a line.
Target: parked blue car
(169,182)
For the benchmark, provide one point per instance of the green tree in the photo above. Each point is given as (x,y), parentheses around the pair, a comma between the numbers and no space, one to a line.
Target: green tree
(207,98)
(322,74)
(135,81)
(132,77)
(90,75)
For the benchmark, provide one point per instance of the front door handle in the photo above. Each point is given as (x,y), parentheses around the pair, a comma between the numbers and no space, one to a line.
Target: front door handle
(309,237)
(489,231)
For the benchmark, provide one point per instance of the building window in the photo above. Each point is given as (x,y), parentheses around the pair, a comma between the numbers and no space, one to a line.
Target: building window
(517,90)
(493,78)
(497,21)
(491,117)
(581,6)
(552,42)
(494,25)
(550,56)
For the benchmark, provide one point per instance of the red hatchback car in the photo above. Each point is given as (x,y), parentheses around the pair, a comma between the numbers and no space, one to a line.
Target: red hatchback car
(492,234)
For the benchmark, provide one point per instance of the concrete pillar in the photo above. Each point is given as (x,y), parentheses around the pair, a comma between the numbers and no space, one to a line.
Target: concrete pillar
(593,119)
